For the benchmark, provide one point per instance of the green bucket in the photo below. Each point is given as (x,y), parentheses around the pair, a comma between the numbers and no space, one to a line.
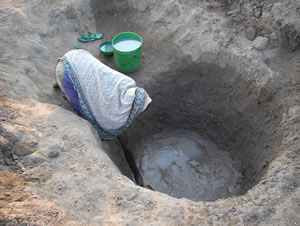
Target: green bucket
(127,51)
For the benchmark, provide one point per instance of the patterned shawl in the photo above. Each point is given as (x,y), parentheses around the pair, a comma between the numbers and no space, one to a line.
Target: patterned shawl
(108,99)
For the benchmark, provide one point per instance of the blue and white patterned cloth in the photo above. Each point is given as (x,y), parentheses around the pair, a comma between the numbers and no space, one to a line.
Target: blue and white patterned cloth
(108,99)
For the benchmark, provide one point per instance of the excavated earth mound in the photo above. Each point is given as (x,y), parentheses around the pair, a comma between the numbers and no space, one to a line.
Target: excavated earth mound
(219,143)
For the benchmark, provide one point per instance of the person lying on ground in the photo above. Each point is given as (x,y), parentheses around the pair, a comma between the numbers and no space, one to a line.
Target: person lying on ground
(108,99)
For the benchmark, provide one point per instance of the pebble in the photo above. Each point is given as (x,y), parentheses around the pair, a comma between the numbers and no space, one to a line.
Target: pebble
(250,33)
(260,43)
(273,35)
(258,13)
(53,154)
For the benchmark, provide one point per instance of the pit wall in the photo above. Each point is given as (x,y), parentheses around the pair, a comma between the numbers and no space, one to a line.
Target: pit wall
(218,104)
(202,77)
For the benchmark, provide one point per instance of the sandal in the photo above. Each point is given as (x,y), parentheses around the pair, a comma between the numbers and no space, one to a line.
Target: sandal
(89,37)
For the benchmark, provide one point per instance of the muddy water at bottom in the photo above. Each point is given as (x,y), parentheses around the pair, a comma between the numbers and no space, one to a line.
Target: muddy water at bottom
(183,164)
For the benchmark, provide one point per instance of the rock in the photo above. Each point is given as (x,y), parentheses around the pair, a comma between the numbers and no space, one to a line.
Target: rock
(293,36)
(260,43)
(250,33)
(53,154)
(258,12)
(273,36)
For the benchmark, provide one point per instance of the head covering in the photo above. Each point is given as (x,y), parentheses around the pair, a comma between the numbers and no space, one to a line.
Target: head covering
(108,99)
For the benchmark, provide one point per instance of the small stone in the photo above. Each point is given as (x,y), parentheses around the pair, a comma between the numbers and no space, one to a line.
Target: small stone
(260,43)
(258,12)
(250,33)
(267,62)
(273,35)
(15,157)
(53,154)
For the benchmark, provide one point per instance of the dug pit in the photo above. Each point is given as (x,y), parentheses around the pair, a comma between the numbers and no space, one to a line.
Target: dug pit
(212,127)
(207,134)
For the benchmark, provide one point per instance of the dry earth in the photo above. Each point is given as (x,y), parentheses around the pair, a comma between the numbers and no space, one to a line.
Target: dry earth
(229,71)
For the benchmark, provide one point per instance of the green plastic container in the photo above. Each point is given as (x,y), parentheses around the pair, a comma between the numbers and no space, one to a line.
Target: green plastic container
(127,51)
(106,48)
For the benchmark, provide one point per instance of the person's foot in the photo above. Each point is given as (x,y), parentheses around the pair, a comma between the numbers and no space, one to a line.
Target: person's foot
(55,85)
(149,187)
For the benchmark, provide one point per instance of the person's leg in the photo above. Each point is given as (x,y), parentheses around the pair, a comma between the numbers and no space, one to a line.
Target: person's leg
(123,139)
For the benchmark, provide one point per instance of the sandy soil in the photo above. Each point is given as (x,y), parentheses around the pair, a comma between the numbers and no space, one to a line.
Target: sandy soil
(226,71)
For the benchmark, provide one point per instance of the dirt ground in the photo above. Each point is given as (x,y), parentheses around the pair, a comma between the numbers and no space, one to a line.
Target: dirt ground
(228,70)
